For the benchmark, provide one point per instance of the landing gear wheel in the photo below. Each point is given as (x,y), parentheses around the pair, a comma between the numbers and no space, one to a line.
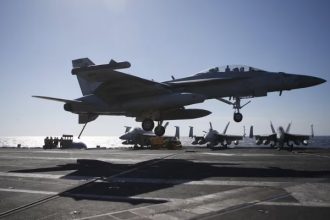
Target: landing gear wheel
(272,145)
(148,124)
(290,145)
(238,117)
(159,130)
(224,145)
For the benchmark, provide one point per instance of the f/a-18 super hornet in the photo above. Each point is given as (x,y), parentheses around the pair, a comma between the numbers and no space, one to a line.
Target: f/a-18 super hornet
(108,91)
(282,137)
(213,137)
(139,137)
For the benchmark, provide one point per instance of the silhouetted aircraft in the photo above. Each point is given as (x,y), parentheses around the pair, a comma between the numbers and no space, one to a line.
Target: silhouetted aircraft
(282,137)
(138,136)
(108,91)
(213,137)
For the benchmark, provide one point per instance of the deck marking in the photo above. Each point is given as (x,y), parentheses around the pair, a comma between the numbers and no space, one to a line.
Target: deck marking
(75,158)
(27,191)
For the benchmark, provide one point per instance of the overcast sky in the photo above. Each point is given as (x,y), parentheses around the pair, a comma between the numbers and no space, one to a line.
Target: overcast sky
(39,38)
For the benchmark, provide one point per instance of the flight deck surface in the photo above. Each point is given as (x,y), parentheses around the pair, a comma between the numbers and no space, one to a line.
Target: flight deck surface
(192,183)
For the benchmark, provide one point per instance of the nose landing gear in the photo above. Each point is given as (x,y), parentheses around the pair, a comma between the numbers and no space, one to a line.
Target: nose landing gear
(238,117)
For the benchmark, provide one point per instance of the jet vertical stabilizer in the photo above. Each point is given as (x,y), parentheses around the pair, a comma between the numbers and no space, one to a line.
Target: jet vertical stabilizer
(272,127)
(177,132)
(288,128)
(251,132)
(87,87)
(224,131)
(127,129)
(191,131)
(312,130)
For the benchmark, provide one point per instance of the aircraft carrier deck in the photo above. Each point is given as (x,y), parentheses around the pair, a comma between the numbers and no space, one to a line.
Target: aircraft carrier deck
(192,183)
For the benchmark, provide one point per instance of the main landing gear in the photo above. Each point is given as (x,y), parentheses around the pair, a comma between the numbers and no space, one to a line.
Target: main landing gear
(159,130)
(148,124)
(238,117)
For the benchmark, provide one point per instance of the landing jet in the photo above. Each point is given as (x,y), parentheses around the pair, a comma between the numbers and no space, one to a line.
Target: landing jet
(139,137)
(282,137)
(108,91)
(213,137)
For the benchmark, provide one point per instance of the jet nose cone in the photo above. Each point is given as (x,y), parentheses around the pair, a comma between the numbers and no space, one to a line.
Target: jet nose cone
(321,80)
(123,137)
(316,81)
(307,81)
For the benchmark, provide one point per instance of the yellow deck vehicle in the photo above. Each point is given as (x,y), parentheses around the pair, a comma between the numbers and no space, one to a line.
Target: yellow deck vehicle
(165,142)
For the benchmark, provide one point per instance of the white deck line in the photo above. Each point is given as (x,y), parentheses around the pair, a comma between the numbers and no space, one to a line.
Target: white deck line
(27,191)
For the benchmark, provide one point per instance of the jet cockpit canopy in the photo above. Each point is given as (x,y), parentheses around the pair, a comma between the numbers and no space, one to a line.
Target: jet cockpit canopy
(230,68)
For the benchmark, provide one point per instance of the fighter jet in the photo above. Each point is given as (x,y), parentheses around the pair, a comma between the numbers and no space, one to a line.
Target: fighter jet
(140,137)
(213,137)
(282,137)
(108,91)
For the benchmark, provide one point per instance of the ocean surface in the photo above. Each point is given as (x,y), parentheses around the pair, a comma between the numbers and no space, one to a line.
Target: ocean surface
(115,142)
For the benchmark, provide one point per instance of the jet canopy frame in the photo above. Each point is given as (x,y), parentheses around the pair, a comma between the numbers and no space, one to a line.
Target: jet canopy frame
(231,68)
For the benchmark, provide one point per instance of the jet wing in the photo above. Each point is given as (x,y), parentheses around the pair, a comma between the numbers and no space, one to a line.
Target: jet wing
(230,137)
(148,134)
(297,137)
(271,137)
(118,86)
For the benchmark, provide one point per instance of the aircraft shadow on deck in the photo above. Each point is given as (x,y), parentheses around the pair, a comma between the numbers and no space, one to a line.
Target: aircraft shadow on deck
(178,169)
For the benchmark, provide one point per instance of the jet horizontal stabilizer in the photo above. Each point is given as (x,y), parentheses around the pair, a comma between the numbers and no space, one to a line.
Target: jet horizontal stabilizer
(56,99)
(82,62)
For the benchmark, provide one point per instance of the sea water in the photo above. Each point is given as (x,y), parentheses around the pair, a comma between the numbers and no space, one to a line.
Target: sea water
(115,142)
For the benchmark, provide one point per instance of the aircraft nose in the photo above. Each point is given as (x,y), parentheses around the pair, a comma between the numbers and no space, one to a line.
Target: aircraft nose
(316,80)
(123,137)
(307,81)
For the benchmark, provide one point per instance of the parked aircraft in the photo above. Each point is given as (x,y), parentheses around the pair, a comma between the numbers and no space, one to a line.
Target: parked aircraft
(138,136)
(108,91)
(213,137)
(282,137)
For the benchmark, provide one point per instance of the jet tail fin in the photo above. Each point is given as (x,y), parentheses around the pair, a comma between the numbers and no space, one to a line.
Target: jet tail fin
(312,130)
(87,87)
(191,131)
(83,62)
(211,128)
(272,127)
(225,130)
(288,128)
(251,132)
(127,129)
(177,132)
